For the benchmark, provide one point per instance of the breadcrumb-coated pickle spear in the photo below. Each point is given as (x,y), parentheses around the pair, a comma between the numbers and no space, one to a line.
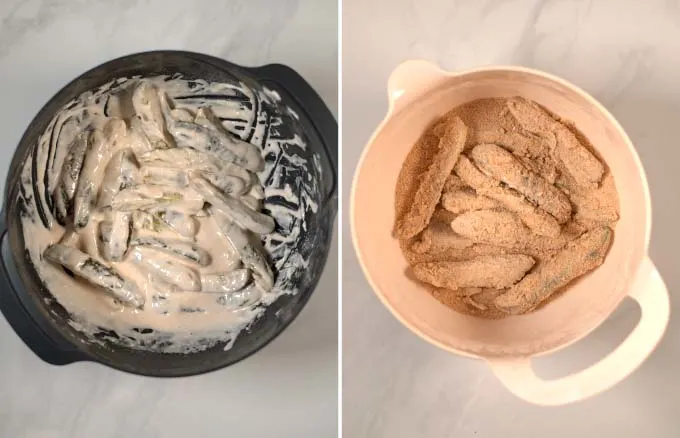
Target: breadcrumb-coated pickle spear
(439,237)
(516,142)
(499,271)
(583,166)
(543,166)
(536,219)
(461,201)
(492,227)
(596,206)
(502,228)
(452,183)
(451,255)
(578,258)
(432,183)
(503,166)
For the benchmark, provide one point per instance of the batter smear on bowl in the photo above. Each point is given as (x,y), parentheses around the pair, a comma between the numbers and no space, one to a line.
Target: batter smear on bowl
(500,205)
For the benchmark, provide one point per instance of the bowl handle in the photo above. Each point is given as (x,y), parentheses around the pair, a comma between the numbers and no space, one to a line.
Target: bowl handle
(410,80)
(21,318)
(651,294)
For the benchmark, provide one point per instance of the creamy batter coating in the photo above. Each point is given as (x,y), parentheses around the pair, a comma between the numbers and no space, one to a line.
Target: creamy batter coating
(151,229)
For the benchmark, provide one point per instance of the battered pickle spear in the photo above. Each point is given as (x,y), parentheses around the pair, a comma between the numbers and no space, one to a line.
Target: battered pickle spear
(145,196)
(96,273)
(252,256)
(235,209)
(186,251)
(183,224)
(121,172)
(178,274)
(115,236)
(68,180)
(99,147)
(225,282)
(193,159)
(86,189)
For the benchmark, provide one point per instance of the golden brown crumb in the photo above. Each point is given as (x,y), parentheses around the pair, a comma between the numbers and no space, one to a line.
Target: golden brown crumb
(453,182)
(494,227)
(583,166)
(439,237)
(442,215)
(503,228)
(524,145)
(450,255)
(461,201)
(535,141)
(503,166)
(597,206)
(461,300)
(536,219)
(542,166)
(579,257)
(432,183)
(498,271)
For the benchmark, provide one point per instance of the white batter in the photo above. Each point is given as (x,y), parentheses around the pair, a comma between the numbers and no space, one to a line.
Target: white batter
(183,321)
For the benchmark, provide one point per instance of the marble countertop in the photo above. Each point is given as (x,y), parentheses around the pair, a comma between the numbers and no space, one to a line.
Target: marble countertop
(289,389)
(625,53)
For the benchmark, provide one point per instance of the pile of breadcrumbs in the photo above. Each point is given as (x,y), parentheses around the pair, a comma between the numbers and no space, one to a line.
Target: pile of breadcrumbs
(500,205)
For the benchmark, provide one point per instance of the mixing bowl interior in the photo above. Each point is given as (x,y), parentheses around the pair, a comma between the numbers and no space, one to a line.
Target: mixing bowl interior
(310,168)
(568,318)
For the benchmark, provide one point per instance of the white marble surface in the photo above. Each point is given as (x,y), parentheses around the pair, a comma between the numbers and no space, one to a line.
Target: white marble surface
(627,54)
(289,389)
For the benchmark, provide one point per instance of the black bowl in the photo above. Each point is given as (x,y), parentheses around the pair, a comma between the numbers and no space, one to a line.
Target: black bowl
(42,323)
